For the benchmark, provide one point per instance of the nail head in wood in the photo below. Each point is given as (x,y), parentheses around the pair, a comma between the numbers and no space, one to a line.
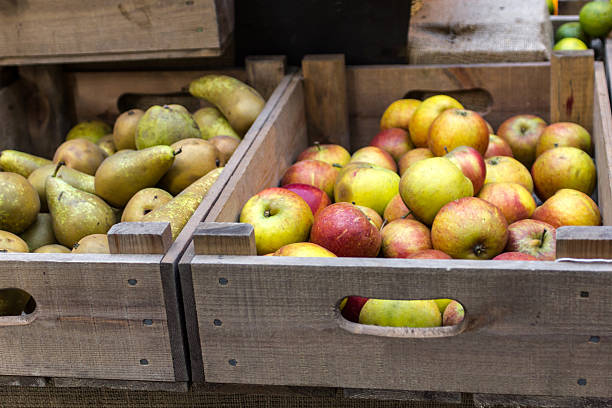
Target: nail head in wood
(224,238)
(140,238)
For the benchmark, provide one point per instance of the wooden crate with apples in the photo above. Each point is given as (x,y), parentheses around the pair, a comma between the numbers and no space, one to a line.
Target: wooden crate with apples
(530,328)
(116,317)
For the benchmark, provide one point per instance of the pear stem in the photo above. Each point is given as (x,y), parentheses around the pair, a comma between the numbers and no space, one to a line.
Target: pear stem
(178,151)
(60,164)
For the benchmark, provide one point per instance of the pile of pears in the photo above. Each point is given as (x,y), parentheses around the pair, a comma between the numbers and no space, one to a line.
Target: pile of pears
(153,166)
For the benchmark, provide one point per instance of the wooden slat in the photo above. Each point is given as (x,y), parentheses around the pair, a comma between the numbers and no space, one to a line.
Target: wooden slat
(571,89)
(557,21)
(371,89)
(14,119)
(23,381)
(180,386)
(602,138)
(395,395)
(534,328)
(224,238)
(584,242)
(140,238)
(571,7)
(265,72)
(325,96)
(38,31)
(523,401)
(99,316)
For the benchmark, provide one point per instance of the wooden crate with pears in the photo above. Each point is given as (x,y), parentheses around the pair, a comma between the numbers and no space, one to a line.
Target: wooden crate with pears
(123,207)
(528,328)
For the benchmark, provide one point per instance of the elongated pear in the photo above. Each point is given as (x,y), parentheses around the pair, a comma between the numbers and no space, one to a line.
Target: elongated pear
(76,213)
(124,174)
(212,123)
(180,209)
(75,178)
(40,233)
(20,162)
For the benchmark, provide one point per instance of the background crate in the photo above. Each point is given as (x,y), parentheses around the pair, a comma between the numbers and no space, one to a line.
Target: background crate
(535,328)
(115,317)
(40,32)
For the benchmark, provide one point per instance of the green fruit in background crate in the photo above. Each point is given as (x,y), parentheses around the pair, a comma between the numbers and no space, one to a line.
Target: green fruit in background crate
(163,125)
(596,18)
(92,130)
(571,30)
(569,44)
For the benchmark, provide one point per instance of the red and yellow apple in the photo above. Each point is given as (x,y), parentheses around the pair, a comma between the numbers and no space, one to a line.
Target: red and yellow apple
(372,216)
(503,169)
(453,314)
(564,134)
(352,307)
(514,256)
(303,249)
(313,172)
(522,133)
(401,238)
(568,207)
(413,156)
(513,200)
(533,237)
(329,153)
(425,114)
(458,127)
(375,155)
(429,254)
(471,163)
(314,197)
(394,141)
(398,114)
(497,147)
(396,209)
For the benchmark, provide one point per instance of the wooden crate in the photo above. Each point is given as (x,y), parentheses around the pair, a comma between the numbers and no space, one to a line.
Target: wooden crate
(63,31)
(532,328)
(118,316)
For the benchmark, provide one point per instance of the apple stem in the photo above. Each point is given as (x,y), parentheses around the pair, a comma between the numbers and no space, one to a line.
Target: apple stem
(318,145)
(445,150)
(383,223)
(479,249)
(542,238)
(217,162)
(60,164)
(267,213)
(338,165)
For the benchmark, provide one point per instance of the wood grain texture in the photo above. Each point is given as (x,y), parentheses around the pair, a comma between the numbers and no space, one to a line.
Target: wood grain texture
(325,98)
(602,141)
(571,7)
(571,89)
(371,89)
(140,238)
(23,381)
(265,72)
(584,242)
(99,316)
(524,401)
(224,238)
(179,386)
(13,116)
(531,330)
(38,31)
(395,395)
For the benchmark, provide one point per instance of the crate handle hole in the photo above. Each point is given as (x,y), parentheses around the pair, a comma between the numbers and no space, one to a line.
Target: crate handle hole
(394,318)
(17,307)
(476,99)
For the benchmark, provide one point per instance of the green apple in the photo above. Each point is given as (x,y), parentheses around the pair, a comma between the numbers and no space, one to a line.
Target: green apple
(371,187)
(400,313)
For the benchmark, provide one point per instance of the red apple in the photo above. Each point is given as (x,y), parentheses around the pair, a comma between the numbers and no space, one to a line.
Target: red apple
(329,153)
(372,216)
(398,114)
(351,309)
(394,141)
(522,133)
(279,217)
(497,147)
(375,155)
(453,314)
(471,163)
(429,254)
(568,207)
(564,134)
(314,197)
(458,127)
(425,114)
(514,201)
(412,157)
(563,167)
(533,237)
(345,230)
(401,238)
(313,172)
(470,228)
(514,256)
(396,209)
(303,249)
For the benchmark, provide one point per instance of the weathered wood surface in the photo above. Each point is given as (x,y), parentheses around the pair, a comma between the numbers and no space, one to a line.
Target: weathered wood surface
(265,72)
(221,238)
(140,238)
(528,323)
(99,316)
(39,31)
(571,7)
(525,401)
(602,139)
(178,386)
(584,242)
(396,395)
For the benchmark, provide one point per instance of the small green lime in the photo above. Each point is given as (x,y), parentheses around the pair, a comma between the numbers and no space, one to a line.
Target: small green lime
(596,18)
(570,44)
(571,30)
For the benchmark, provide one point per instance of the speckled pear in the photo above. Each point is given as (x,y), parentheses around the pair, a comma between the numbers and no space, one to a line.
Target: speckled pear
(162,125)
(19,203)
(212,123)
(40,233)
(20,162)
(75,178)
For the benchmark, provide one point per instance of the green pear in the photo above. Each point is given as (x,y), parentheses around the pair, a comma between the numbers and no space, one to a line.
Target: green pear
(76,213)
(180,209)
(40,233)
(19,203)
(20,162)
(52,249)
(143,202)
(162,125)
(400,313)
(10,242)
(124,132)
(75,178)
(107,145)
(124,174)
(92,244)
(92,130)
(212,123)
(178,107)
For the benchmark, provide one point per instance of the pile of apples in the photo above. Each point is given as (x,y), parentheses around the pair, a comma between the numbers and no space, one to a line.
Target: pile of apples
(435,182)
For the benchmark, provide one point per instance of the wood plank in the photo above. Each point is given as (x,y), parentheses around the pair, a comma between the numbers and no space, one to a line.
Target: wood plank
(64,382)
(68,30)
(531,328)
(325,96)
(584,242)
(571,7)
(99,316)
(265,72)
(559,20)
(520,401)
(13,116)
(282,137)
(280,390)
(571,89)
(602,140)
(371,89)
(224,238)
(140,238)
(23,381)
(395,395)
